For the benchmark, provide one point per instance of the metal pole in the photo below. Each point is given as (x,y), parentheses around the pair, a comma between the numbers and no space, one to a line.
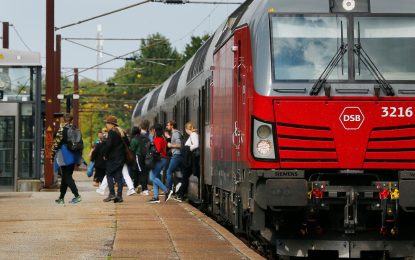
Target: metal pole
(5,35)
(76,101)
(49,98)
(57,89)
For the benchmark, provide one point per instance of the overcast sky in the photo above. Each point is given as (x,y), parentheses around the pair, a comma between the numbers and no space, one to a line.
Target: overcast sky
(176,22)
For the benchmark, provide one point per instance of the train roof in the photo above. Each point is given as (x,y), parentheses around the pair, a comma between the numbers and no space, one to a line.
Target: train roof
(19,58)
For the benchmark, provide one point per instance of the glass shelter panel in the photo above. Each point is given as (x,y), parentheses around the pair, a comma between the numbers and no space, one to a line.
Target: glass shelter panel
(27,142)
(7,152)
(302,46)
(17,84)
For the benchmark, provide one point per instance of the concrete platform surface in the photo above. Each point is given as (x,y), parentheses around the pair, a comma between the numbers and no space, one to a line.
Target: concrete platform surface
(32,226)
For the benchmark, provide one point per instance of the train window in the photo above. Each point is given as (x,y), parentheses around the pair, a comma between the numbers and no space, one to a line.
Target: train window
(171,89)
(390,43)
(139,108)
(154,98)
(198,60)
(302,46)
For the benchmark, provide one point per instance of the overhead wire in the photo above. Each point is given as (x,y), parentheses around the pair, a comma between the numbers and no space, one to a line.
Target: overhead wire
(151,45)
(101,15)
(20,37)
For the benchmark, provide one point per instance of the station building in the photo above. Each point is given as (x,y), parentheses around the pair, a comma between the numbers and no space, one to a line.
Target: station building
(21,127)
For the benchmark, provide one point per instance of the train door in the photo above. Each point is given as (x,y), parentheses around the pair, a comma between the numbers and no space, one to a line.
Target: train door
(239,96)
(8,146)
(205,136)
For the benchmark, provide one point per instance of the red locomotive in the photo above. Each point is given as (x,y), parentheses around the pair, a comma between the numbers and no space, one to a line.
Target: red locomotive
(306,115)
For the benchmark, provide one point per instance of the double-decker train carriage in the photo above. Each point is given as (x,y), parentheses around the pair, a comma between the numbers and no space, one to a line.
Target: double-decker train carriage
(306,115)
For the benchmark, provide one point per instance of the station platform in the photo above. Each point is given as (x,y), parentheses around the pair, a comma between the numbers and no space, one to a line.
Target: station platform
(32,226)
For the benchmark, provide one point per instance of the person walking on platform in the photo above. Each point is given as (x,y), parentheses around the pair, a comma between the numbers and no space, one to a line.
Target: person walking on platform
(97,156)
(191,157)
(143,177)
(160,145)
(65,159)
(114,153)
(175,145)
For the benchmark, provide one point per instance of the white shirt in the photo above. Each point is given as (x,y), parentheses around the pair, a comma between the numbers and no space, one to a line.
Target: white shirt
(193,141)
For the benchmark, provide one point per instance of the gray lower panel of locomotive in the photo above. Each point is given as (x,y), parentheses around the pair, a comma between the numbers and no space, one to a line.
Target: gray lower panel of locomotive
(345,249)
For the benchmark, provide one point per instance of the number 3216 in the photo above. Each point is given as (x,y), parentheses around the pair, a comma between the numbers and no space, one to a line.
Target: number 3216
(397,112)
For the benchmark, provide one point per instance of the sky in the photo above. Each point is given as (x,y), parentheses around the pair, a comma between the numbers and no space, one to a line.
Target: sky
(176,22)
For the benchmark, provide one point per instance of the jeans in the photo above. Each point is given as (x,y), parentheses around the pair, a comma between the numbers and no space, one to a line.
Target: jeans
(173,165)
(155,177)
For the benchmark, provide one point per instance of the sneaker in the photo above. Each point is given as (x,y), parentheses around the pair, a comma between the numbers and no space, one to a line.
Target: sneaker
(76,200)
(131,192)
(145,193)
(138,189)
(60,201)
(168,195)
(154,201)
(118,199)
(178,199)
(178,185)
(109,198)
(100,191)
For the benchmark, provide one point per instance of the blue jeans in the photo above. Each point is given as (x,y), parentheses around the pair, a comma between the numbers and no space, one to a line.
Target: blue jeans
(155,177)
(174,164)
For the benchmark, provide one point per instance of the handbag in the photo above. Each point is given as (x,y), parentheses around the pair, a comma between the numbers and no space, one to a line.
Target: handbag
(129,156)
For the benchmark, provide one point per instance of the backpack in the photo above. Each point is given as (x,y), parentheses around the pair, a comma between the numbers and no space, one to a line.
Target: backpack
(74,138)
(152,157)
(143,145)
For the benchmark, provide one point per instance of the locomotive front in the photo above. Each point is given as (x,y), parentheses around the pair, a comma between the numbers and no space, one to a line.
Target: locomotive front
(332,126)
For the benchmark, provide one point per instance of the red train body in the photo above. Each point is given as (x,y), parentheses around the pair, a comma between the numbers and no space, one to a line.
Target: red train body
(307,126)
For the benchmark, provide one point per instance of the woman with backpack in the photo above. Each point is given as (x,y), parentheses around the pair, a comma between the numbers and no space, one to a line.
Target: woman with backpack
(65,159)
(160,147)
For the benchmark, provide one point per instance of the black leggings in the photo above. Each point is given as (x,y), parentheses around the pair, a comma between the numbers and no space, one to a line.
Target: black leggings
(68,181)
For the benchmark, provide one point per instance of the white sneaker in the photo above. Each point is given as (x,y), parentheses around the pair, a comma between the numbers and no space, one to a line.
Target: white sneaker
(168,195)
(145,193)
(100,192)
(131,192)
(178,185)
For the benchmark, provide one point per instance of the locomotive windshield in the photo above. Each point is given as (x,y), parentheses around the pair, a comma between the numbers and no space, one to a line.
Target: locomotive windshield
(390,43)
(303,46)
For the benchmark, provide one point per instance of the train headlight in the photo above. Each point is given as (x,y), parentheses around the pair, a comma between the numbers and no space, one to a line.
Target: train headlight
(264,131)
(349,5)
(263,147)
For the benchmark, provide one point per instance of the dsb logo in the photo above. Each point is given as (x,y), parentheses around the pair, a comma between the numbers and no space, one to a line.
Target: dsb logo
(351,118)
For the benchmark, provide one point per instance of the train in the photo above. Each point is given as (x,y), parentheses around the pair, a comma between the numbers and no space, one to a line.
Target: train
(305,110)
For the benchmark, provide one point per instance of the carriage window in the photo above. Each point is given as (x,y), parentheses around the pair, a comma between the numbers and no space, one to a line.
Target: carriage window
(390,44)
(302,46)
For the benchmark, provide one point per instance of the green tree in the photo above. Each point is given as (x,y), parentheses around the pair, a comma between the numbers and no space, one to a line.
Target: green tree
(195,43)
